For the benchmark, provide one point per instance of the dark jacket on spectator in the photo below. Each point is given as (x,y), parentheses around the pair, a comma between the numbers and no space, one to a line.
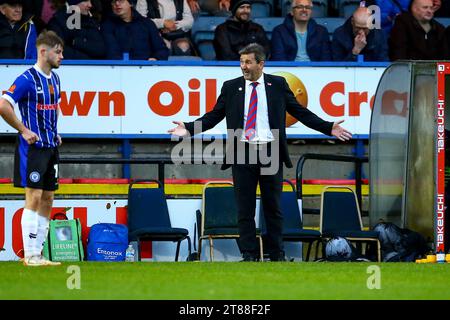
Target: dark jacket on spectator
(409,41)
(18,42)
(34,8)
(84,43)
(343,42)
(231,36)
(140,38)
(284,41)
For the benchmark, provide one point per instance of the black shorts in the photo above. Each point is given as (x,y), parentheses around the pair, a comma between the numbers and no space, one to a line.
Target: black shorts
(36,168)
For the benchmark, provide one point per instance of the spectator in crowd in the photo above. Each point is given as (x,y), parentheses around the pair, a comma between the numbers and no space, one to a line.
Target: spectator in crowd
(416,35)
(174,20)
(42,11)
(17,32)
(213,7)
(83,42)
(237,32)
(392,8)
(299,37)
(129,32)
(389,9)
(357,37)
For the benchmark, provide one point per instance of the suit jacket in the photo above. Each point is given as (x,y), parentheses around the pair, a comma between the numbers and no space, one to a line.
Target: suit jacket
(280,99)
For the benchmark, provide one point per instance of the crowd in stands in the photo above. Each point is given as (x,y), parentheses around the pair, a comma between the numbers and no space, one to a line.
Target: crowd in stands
(157,29)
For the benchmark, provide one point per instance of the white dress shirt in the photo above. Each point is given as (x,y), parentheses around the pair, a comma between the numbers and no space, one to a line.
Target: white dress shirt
(263,133)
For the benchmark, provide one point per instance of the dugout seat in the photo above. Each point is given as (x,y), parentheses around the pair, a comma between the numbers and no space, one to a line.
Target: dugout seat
(292,221)
(340,216)
(219,216)
(148,216)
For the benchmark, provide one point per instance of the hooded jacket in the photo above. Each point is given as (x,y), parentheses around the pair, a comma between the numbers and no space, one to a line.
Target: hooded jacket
(232,35)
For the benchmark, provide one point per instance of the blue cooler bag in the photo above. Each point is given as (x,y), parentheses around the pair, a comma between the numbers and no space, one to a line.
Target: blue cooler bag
(107,242)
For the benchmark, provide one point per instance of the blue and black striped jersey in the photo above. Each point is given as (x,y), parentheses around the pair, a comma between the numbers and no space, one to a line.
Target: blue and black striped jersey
(38,98)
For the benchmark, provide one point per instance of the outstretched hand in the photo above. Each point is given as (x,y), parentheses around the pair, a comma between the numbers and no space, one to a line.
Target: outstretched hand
(340,132)
(179,130)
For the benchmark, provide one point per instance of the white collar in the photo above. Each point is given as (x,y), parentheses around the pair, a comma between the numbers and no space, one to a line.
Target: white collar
(48,76)
(260,80)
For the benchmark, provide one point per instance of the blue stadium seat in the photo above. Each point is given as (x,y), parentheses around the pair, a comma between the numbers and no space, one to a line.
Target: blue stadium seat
(203,35)
(347,7)
(269,24)
(444,21)
(261,8)
(331,24)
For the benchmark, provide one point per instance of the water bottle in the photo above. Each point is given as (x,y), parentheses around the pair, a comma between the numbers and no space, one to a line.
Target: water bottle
(129,254)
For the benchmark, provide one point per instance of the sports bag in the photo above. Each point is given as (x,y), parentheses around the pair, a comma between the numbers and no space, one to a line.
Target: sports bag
(64,241)
(107,242)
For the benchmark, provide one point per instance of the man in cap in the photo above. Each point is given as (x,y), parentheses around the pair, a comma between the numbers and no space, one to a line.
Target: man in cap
(238,31)
(17,32)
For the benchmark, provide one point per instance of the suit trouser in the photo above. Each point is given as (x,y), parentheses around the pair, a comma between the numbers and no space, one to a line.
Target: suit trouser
(245,179)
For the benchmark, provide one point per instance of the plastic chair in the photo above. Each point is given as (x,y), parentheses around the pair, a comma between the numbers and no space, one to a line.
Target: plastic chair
(292,221)
(269,24)
(340,216)
(148,217)
(331,24)
(261,8)
(219,216)
(444,21)
(347,7)
(203,35)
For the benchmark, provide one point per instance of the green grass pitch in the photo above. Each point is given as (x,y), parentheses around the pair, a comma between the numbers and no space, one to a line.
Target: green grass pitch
(225,281)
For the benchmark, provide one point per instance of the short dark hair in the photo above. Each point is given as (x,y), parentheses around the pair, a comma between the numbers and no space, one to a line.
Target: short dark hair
(49,38)
(255,48)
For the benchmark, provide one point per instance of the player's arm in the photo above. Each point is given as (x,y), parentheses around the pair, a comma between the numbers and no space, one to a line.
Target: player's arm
(7,113)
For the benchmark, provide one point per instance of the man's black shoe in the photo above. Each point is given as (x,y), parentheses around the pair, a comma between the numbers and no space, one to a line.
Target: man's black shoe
(278,257)
(249,258)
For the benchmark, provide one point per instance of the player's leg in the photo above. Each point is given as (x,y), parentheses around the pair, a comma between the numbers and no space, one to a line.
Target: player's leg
(29,224)
(22,174)
(30,168)
(50,184)
(44,210)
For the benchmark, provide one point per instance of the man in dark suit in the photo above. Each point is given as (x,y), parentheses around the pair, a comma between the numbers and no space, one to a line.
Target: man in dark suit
(255,108)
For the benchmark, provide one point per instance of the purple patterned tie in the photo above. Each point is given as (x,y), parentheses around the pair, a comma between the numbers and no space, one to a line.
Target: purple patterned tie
(251,115)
